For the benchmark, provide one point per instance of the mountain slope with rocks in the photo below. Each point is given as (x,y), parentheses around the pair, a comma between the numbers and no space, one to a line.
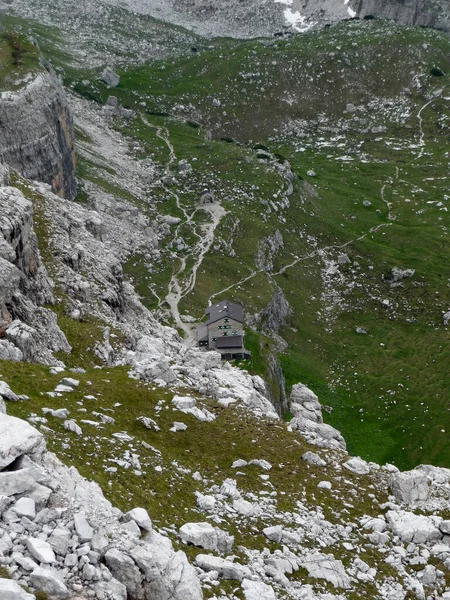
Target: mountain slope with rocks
(134,466)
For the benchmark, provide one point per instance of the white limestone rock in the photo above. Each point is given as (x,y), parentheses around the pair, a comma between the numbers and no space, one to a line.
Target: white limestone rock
(257,590)
(357,465)
(72,426)
(414,528)
(6,392)
(305,404)
(84,531)
(10,590)
(263,464)
(50,583)
(17,438)
(124,570)
(140,517)
(322,566)
(274,533)
(313,459)
(410,486)
(70,382)
(25,507)
(206,536)
(59,540)
(40,550)
(18,482)
(225,568)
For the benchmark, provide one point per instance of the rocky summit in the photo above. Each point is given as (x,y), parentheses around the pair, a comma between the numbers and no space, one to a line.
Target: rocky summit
(224,301)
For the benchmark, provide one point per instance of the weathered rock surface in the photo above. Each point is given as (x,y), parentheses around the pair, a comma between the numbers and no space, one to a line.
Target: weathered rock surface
(410,486)
(36,129)
(10,590)
(206,536)
(30,332)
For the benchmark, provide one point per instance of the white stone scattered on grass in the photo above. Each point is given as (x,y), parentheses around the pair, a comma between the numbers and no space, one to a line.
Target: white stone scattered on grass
(324,485)
(239,463)
(322,566)
(357,465)
(178,426)
(70,425)
(206,536)
(225,568)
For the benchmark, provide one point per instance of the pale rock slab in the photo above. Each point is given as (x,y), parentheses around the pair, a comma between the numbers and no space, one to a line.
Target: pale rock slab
(206,536)
(49,582)
(82,527)
(25,507)
(140,517)
(313,459)
(40,550)
(322,566)
(414,528)
(17,438)
(114,588)
(257,590)
(7,393)
(305,404)
(17,482)
(274,533)
(225,568)
(59,540)
(410,486)
(124,570)
(357,465)
(10,590)
(70,425)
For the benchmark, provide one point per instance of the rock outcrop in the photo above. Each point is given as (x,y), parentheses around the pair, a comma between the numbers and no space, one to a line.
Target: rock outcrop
(27,330)
(36,133)
(62,550)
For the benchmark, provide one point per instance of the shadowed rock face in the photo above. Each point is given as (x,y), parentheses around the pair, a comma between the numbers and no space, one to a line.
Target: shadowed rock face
(428,13)
(36,134)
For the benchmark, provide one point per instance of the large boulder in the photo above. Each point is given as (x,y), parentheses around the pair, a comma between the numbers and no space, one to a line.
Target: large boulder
(418,529)
(48,582)
(206,536)
(10,590)
(124,570)
(17,438)
(305,404)
(322,566)
(225,568)
(409,486)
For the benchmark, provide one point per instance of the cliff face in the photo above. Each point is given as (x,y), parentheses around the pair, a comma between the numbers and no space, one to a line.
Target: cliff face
(36,134)
(27,330)
(428,13)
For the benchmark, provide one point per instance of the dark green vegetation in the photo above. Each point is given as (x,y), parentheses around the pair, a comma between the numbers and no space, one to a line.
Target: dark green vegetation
(323,101)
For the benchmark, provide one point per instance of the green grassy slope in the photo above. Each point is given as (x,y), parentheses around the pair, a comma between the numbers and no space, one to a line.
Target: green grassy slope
(388,388)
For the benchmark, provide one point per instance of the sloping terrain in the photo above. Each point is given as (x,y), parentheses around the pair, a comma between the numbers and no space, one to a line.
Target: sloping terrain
(330,226)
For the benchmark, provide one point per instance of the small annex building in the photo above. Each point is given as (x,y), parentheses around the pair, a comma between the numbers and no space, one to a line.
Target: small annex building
(223,330)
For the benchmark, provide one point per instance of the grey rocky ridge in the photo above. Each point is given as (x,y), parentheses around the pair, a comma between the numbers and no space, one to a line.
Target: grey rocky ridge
(135,466)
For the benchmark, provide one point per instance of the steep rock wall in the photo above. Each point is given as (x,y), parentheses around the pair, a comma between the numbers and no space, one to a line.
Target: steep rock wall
(36,134)
(428,13)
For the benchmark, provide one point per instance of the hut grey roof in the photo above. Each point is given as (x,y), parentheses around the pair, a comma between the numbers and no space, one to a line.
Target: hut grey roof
(232,341)
(225,309)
